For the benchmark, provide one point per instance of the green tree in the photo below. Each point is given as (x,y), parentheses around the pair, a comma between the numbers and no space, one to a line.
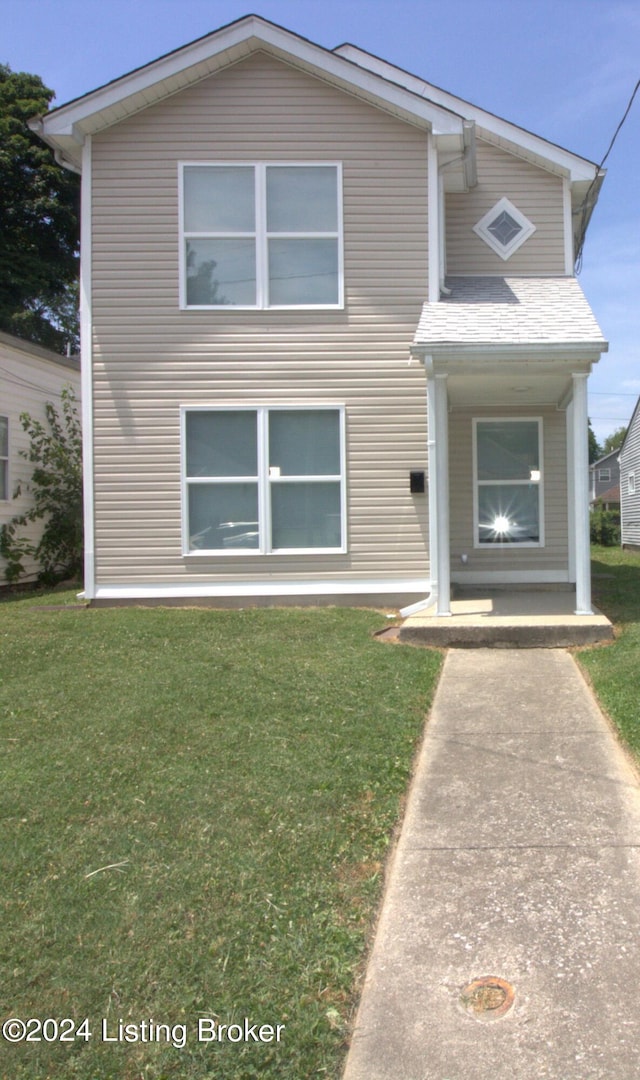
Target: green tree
(55,450)
(614,440)
(594,446)
(39,223)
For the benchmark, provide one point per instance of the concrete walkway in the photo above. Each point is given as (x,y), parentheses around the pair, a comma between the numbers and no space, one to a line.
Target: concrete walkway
(519,859)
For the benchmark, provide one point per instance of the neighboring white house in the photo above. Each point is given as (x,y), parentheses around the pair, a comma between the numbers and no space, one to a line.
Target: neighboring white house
(629,455)
(30,376)
(333,345)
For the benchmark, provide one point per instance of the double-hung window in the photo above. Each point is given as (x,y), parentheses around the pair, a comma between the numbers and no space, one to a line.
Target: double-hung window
(261,235)
(4,457)
(263,480)
(508,482)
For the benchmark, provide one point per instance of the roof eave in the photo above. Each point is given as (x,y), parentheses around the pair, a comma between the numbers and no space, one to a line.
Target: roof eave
(589,351)
(66,126)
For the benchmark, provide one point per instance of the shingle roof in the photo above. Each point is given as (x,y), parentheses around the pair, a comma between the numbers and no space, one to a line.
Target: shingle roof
(510,311)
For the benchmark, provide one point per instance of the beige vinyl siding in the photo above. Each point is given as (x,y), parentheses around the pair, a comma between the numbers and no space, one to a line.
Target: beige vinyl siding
(150,357)
(553,556)
(28,380)
(536,193)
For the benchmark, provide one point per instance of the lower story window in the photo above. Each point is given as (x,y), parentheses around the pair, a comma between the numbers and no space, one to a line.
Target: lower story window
(508,482)
(263,480)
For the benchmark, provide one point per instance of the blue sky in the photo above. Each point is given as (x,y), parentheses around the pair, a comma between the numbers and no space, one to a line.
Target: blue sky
(564,69)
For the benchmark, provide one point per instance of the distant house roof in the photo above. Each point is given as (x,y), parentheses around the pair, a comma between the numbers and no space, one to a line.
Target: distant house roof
(611,495)
(72,362)
(606,457)
(494,311)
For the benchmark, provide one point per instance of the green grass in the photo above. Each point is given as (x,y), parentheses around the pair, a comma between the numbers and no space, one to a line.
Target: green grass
(614,669)
(196,806)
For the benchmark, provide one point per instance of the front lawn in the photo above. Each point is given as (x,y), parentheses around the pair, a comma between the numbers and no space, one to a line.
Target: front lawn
(196,806)
(614,670)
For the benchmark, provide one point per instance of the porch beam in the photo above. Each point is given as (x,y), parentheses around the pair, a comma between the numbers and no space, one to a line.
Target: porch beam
(580,425)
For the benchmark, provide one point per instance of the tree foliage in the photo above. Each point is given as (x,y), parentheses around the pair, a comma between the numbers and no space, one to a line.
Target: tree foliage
(39,223)
(56,487)
(614,440)
(594,446)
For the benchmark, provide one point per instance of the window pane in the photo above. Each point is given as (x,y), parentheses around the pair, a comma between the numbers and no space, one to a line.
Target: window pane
(4,492)
(222,444)
(305,515)
(221,272)
(508,513)
(223,517)
(219,198)
(302,199)
(305,443)
(4,437)
(507,451)
(303,272)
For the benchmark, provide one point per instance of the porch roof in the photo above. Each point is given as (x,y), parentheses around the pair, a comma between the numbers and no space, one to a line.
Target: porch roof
(492,311)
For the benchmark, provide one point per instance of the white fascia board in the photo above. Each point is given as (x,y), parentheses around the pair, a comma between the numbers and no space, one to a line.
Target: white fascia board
(494,127)
(486,352)
(187,65)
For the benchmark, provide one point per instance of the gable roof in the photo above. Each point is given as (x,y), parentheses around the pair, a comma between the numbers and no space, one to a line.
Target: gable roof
(449,118)
(66,126)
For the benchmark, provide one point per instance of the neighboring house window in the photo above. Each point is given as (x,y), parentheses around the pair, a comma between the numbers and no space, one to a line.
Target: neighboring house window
(504,228)
(263,480)
(604,474)
(261,236)
(508,488)
(4,457)
(632,483)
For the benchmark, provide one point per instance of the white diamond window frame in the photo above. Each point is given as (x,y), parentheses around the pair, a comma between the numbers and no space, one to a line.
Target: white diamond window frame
(483,230)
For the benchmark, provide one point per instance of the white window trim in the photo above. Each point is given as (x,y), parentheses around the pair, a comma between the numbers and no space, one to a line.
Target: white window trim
(505,251)
(261,235)
(4,461)
(476,483)
(604,475)
(264,481)
(631,482)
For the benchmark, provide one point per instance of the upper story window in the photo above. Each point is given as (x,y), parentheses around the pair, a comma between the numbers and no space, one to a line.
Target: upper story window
(261,236)
(4,457)
(604,474)
(504,228)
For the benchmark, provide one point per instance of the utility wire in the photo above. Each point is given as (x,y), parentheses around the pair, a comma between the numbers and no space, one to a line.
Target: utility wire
(585,209)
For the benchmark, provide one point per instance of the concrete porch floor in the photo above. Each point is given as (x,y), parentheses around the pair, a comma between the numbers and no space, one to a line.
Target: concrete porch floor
(528,618)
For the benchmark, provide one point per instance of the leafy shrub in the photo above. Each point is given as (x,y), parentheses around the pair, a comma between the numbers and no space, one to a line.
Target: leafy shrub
(605,527)
(56,487)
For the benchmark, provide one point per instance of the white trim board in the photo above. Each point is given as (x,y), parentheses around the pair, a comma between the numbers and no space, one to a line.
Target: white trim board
(260,589)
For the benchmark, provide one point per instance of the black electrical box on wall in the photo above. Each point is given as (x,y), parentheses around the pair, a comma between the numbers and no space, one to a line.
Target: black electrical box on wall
(416,482)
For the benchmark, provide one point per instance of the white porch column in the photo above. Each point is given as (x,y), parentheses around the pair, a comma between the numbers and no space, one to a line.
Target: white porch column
(440,500)
(580,424)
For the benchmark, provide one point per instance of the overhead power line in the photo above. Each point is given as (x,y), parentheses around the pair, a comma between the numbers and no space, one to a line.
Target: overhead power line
(587,206)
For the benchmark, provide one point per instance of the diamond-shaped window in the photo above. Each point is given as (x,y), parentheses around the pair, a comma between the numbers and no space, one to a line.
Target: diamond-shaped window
(504,228)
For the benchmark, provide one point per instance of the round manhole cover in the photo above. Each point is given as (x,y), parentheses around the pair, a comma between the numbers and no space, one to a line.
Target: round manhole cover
(487,998)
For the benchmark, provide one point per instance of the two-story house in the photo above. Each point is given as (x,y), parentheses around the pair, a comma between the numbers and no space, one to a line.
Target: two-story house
(333,345)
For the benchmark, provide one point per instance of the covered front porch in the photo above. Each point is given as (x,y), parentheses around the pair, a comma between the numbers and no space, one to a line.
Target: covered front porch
(507,363)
